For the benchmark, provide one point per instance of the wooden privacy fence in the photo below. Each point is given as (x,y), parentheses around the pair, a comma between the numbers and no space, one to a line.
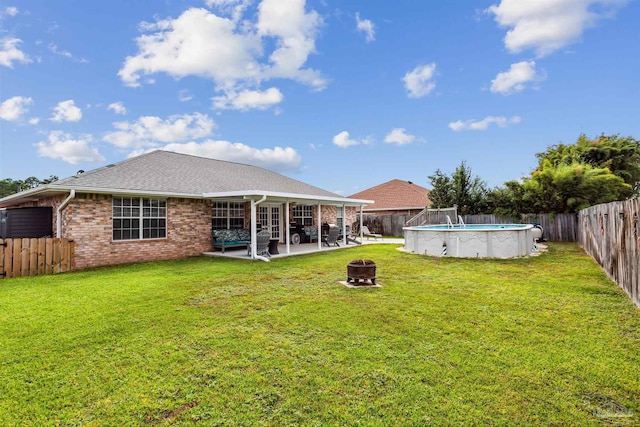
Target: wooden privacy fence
(31,257)
(609,234)
(388,225)
(561,227)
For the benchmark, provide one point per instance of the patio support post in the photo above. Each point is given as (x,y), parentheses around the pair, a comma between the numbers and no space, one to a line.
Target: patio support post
(287,231)
(319,226)
(360,222)
(344,225)
(254,227)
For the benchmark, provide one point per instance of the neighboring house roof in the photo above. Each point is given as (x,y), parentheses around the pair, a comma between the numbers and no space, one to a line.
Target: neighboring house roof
(395,195)
(164,173)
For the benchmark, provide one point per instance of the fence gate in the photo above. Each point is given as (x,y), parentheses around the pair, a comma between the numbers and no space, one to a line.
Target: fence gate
(32,257)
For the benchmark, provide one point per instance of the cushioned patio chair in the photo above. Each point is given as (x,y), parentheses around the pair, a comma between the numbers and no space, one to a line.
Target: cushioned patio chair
(262,244)
(366,233)
(332,237)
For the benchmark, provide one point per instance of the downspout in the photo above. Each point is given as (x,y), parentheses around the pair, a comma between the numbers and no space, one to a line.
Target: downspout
(254,227)
(72,195)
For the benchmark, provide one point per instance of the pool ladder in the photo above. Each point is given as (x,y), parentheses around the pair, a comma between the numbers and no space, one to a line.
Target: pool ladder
(460,222)
(449,223)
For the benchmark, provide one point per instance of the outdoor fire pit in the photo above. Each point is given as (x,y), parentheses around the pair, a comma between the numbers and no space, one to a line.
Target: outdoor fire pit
(361,269)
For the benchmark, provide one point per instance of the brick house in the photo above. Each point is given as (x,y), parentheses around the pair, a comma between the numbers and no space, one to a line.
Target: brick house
(394,202)
(395,197)
(164,205)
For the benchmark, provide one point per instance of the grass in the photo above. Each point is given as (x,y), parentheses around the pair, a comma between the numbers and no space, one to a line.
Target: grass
(538,341)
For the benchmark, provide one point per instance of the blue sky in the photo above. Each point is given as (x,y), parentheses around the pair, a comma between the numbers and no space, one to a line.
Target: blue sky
(341,95)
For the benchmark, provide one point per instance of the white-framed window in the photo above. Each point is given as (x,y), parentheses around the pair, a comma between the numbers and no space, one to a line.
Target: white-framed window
(227,215)
(303,214)
(136,218)
(339,217)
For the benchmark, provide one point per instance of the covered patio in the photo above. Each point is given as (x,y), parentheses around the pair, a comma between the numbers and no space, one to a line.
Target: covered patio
(271,210)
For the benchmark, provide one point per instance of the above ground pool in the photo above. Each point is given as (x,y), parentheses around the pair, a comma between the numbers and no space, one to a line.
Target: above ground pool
(471,240)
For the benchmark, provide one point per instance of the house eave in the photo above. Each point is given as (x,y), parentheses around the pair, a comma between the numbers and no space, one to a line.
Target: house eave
(276,196)
(273,196)
(29,195)
(53,190)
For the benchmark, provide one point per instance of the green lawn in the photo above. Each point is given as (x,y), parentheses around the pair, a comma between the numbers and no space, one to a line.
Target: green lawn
(539,341)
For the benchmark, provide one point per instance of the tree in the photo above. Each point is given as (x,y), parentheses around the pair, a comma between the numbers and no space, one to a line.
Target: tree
(461,188)
(507,200)
(571,187)
(571,177)
(9,186)
(440,194)
(469,191)
(620,155)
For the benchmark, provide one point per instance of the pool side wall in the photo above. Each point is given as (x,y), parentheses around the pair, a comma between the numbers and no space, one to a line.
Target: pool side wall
(476,243)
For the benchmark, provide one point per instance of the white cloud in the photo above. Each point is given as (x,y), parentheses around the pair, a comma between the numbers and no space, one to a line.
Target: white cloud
(277,159)
(516,78)
(419,81)
(548,25)
(54,48)
(223,3)
(294,31)
(151,131)
(230,52)
(248,99)
(367,27)
(232,8)
(117,107)
(10,11)
(184,95)
(342,140)
(34,121)
(60,145)
(399,136)
(13,108)
(9,52)
(66,111)
(196,43)
(484,123)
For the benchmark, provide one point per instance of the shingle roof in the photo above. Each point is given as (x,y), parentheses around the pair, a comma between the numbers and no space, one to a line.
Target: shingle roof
(168,172)
(395,194)
(172,174)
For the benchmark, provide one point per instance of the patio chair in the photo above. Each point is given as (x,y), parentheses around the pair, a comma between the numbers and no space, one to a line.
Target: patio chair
(366,233)
(262,244)
(351,238)
(332,237)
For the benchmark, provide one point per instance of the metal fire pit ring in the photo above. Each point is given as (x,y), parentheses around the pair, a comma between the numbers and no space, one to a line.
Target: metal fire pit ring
(361,269)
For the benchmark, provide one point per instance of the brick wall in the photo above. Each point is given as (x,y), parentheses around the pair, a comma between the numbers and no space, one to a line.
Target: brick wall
(88,220)
(352,214)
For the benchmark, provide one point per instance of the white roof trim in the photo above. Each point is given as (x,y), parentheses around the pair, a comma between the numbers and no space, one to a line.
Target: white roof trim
(253,194)
(249,194)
